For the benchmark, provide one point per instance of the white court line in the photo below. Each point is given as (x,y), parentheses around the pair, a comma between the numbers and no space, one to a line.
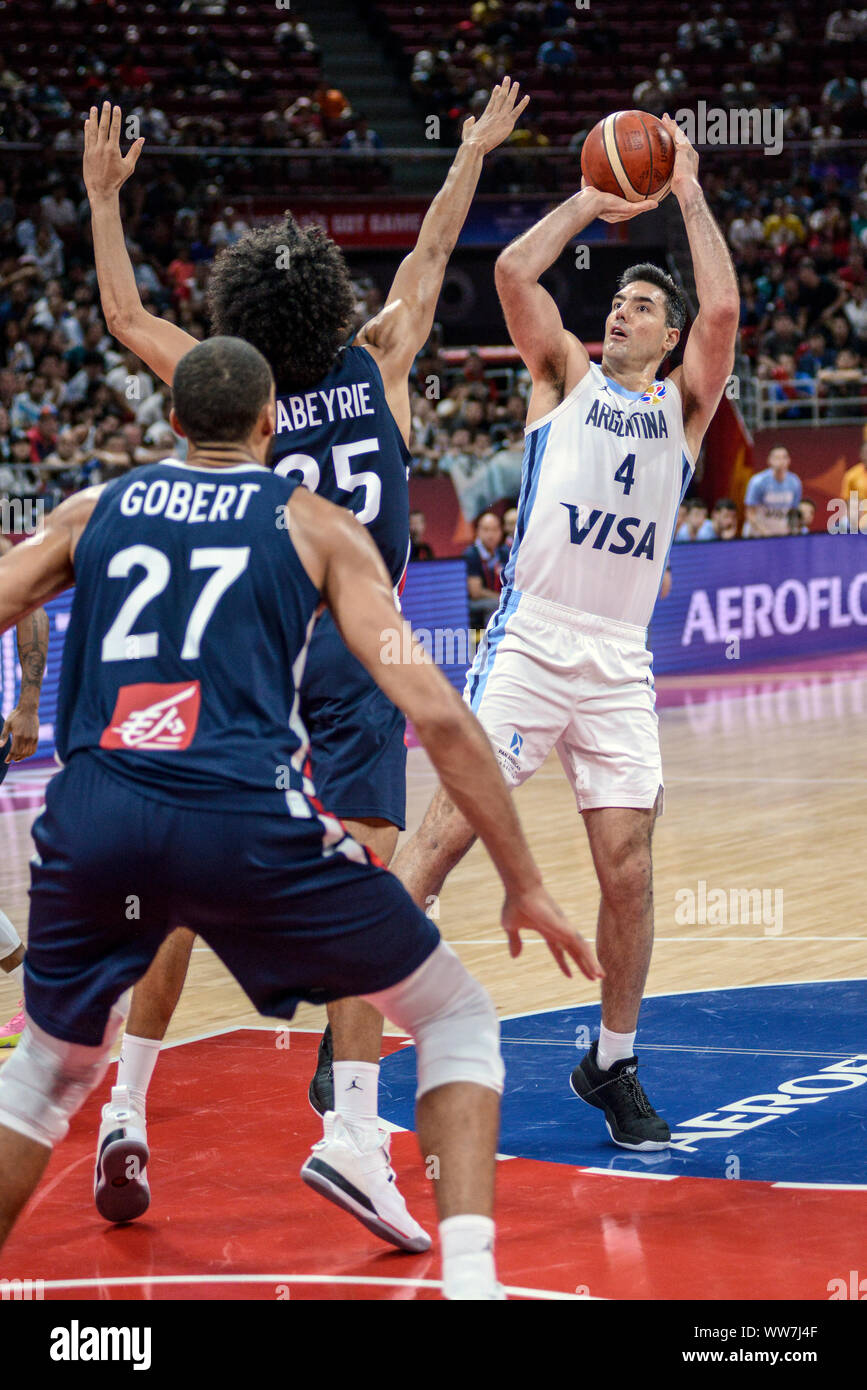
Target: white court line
(622,1173)
(215,1033)
(783,781)
(660,940)
(705,989)
(682,1047)
(315,1279)
(826,1186)
(555,775)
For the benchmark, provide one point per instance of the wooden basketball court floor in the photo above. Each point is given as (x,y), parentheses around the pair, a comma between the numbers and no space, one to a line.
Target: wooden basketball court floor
(753,1039)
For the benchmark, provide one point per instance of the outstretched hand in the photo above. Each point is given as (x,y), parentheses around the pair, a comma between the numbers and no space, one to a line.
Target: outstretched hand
(614,209)
(685,155)
(537,911)
(498,119)
(105,168)
(23,727)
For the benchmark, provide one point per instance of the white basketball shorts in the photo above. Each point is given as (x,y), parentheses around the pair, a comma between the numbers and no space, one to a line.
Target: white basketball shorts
(546,676)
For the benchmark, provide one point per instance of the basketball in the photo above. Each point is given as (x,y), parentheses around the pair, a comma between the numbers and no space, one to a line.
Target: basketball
(631,154)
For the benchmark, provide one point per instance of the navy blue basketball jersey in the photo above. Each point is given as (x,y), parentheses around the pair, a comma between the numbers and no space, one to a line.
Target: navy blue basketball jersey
(187,638)
(341,440)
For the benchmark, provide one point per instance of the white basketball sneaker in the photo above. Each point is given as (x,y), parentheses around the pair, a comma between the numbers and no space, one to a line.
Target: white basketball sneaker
(353,1170)
(120,1186)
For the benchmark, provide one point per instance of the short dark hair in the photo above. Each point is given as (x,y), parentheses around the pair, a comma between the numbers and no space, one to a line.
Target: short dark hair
(219,389)
(692,502)
(289,293)
(724,504)
(675,302)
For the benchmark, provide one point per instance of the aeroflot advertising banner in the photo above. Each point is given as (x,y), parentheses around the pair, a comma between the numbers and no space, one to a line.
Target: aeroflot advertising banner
(759,600)
(749,601)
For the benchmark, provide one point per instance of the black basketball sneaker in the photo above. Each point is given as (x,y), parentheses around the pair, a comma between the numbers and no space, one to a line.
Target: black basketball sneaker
(630,1119)
(321,1092)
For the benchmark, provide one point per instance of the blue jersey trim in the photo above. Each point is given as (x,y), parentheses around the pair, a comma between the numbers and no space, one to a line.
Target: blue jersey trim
(622,390)
(686,477)
(493,636)
(533,455)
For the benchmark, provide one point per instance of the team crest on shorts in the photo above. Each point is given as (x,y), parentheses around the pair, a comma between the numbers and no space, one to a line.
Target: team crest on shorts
(152,718)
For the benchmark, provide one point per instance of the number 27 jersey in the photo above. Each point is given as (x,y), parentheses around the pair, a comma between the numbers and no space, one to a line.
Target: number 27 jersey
(603,475)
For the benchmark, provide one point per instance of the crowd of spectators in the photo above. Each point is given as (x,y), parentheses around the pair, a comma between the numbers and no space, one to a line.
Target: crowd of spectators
(75,409)
(796,225)
(203,99)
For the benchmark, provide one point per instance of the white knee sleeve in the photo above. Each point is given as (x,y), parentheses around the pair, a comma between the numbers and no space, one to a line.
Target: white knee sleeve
(9,938)
(47,1081)
(452,1019)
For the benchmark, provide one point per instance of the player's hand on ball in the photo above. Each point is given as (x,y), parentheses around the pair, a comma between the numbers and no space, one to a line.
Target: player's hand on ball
(537,911)
(105,168)
(498,119)
(614,209)
(23,725)
(685,156)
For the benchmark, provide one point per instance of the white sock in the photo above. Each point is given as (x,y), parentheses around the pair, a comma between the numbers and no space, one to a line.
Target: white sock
(467,1244)
(9,938)
(613,1047)
(135,1067)
(356,1093)
(17,975)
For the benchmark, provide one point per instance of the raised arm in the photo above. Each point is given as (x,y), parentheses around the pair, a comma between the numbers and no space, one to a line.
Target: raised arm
(554,357)
(22,723)
(158,343)
(403,325)
(709,354)
(42,566)
(344,563)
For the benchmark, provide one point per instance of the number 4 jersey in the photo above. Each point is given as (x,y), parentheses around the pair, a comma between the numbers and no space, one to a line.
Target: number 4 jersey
(603,476)
(187,639)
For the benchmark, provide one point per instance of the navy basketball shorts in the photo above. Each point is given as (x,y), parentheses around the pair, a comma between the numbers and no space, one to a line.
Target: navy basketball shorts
(357,745)
(289,914)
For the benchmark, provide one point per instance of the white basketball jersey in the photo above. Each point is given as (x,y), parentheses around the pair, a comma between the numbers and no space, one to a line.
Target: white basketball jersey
(603,476)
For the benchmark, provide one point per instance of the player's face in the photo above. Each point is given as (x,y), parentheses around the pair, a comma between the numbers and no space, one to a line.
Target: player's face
(635,331)
(779,460)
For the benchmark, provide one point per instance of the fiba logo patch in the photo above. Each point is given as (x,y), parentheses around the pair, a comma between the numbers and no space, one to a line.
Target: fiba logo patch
(516,745)
(154,718)
(655,393)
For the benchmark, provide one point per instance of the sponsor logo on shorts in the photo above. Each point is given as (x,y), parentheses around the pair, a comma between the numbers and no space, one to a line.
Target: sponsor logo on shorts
(154,718)
(508,758)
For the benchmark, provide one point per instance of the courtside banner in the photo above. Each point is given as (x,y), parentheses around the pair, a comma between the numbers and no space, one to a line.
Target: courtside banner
(434,601)
(749,601)
(760,600)
(10,671)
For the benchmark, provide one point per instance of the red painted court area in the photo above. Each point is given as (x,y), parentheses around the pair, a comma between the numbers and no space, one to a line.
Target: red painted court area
(229,1128)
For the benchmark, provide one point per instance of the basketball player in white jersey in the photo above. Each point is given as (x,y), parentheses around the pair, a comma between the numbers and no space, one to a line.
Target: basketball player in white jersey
(564,663)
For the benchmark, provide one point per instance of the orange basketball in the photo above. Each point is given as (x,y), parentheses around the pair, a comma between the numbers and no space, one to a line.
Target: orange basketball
(629,153)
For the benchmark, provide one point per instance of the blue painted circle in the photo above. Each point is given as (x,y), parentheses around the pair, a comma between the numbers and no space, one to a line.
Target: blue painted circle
(765,1083)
